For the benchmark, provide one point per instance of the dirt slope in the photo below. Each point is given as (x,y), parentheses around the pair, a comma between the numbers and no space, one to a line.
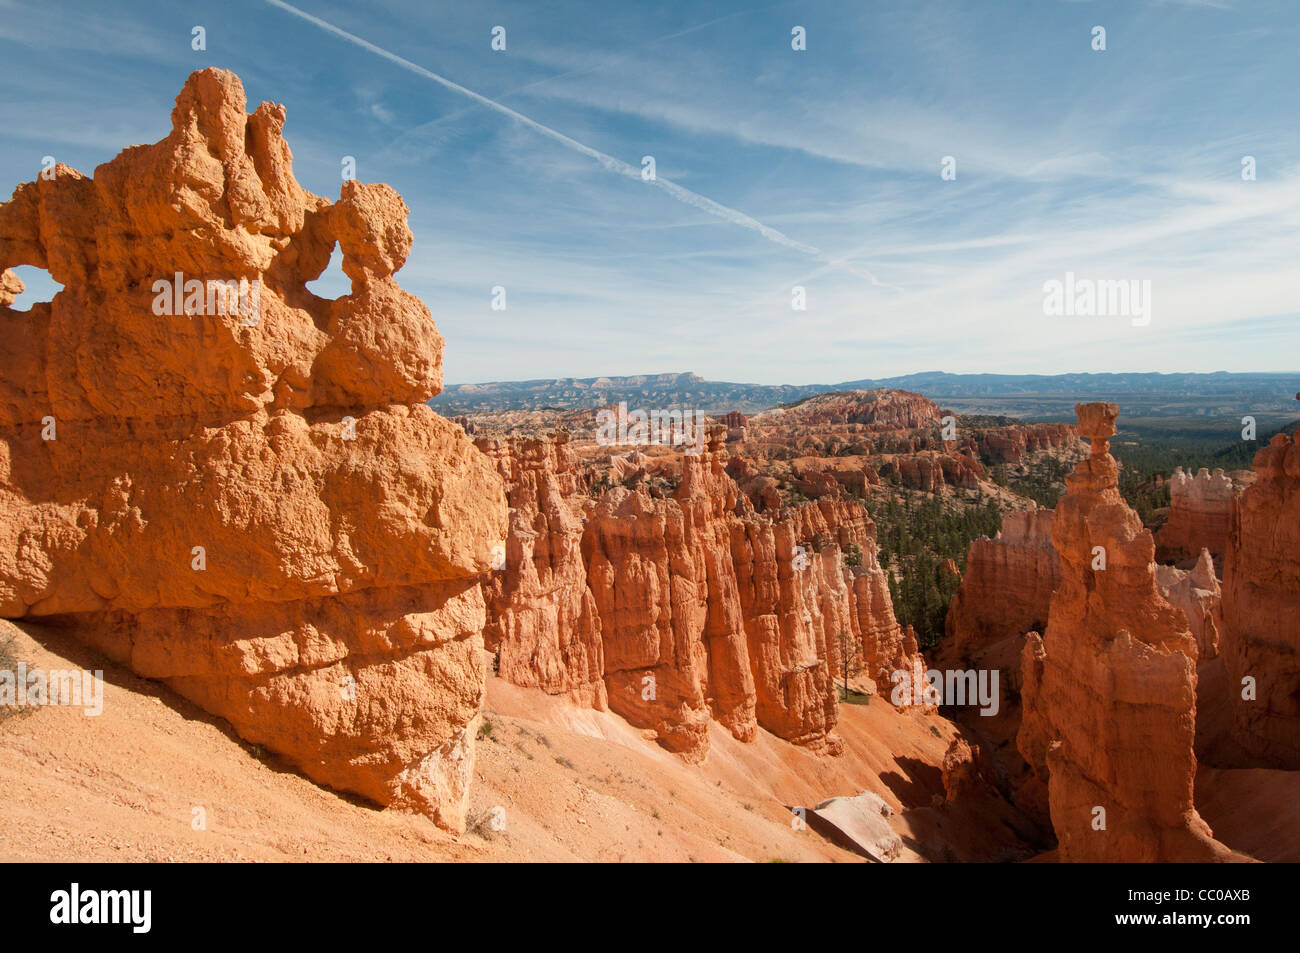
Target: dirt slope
(574,784)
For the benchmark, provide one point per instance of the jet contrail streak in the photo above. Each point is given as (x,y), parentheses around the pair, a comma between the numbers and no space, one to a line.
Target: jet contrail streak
(685,196)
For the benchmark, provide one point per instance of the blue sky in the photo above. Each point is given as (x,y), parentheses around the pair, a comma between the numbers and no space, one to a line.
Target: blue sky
(775,168)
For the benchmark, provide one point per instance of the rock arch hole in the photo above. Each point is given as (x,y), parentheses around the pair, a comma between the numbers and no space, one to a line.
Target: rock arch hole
(39,287)
(331,283)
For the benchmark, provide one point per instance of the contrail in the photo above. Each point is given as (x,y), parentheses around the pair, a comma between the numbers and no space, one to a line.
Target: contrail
(685,196)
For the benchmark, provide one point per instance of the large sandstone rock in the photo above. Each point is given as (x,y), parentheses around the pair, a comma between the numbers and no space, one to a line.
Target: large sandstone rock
(928,470)
(542,618)
(1200,509)
(1197,593)
(880,409)
(1109,692)
(860,823)
(1261,625)
(660,572)
(247,498)
(1007,587)
(1010,444)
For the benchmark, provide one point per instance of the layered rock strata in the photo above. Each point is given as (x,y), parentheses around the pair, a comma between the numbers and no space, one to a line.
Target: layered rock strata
(542,618)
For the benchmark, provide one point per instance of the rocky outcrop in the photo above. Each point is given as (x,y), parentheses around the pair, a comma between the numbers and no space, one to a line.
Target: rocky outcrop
(1109,692)
(793,605)
(11,286)
(1197,593)
(820,476)
(961,770)
(542,619)
(684,608)
(929,470)
(1261,628)
(231,484)
(1010,444)
(885,646)
(1200,509)
(1008,584)
(661,575)
(859,823)
(708,611)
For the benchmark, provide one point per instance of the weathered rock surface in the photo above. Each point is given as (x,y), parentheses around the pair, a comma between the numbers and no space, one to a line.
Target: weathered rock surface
(694,607)
(542,619)
(705,615)
(877,410)
(1260,639)
(1109,692)
(11,286)
(246,495)
(860,823)
(1200,510)
(674,642)
(1008,584)
(1197,593)
(1010,444)
(928,470)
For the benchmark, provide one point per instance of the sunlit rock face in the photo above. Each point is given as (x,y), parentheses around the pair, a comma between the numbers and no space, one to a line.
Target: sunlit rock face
(1109,691)
(229,483)
(690,607)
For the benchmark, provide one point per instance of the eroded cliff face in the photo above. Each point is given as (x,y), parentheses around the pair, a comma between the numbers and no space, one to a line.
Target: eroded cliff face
(659,572)
(928,470)
(231,484)
(542,618)
(1010,444)
(694,607)
(873,411)
(1109,692)
(1260,640)
(1008,584)
(1200,510)
(1197,593)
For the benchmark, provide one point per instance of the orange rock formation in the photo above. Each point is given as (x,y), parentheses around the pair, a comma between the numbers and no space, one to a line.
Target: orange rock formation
(542,619)
(1109,692)
(1197,593)
(246,495)
(1008,585)
(928,470)
(1010,444)
(693,607)
(1200,508)
(1261,628)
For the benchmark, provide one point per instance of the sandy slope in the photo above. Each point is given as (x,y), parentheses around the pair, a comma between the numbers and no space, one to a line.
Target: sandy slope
(574,784)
